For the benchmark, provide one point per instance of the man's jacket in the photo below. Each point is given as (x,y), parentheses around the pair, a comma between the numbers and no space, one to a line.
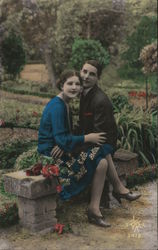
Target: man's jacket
(96,115)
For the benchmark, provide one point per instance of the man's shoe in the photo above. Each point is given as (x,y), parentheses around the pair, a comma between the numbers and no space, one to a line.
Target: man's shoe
(98,220)
(129,196)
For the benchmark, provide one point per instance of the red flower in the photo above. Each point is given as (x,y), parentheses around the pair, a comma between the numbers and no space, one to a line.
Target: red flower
(28,172)
(2,123)
(142,94)
(35,113)
(132,93)
(50,170)
(35,170)
(58,188)
(59,228)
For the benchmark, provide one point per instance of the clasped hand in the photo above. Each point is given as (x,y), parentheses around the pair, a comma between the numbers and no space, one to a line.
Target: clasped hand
(96,138)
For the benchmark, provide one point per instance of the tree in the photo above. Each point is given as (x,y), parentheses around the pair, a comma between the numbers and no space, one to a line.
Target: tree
(86,49)
(146,33)
(148,56)
(13,54)
(49,27)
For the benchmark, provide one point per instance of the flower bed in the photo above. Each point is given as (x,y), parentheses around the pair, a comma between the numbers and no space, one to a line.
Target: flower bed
(8,208)
(10,151)
(17,114)
(8,214)
(142,175)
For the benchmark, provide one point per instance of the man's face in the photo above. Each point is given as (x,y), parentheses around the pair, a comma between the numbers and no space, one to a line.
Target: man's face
(89,76)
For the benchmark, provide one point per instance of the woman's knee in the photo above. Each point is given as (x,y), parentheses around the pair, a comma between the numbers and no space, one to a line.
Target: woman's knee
(103,164)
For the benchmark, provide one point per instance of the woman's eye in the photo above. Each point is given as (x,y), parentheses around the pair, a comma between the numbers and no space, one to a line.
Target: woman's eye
(92,74)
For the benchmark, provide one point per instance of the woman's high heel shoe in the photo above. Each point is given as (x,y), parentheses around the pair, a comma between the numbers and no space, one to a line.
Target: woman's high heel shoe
(98,220)
(129,196)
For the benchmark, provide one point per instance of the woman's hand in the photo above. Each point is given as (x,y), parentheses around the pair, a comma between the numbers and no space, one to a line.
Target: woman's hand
(96,138)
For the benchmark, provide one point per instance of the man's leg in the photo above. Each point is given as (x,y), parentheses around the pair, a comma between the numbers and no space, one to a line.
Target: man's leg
(97,187)
(114,178)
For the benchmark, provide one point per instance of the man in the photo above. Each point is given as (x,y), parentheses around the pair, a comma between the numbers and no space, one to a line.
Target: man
(96,111)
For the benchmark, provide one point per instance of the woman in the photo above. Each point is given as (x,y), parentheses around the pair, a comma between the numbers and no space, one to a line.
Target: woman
(55,129)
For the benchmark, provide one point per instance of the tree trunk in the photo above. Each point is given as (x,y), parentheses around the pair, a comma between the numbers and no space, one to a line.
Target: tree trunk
(146,83)
(89,26)
(49,65)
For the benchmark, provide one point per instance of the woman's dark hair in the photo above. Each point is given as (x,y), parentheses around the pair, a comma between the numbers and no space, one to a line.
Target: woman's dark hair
(97,65)
(65,75)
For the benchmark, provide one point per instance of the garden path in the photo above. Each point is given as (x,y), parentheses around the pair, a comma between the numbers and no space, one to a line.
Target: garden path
(134,227)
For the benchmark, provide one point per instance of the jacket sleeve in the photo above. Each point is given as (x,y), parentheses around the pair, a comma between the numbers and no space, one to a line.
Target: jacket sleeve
(102,117)
(63,138)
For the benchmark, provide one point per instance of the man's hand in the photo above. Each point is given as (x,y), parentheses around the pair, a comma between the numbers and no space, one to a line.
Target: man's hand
(96,138)
(56,152)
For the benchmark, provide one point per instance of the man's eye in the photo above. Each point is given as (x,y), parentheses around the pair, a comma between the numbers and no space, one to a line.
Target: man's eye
(84,71)
(78,83)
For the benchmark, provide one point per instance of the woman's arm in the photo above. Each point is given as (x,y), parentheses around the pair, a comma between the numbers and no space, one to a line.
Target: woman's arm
(63,138)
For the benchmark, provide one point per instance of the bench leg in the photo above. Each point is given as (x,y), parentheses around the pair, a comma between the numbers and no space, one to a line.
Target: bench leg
(38,214)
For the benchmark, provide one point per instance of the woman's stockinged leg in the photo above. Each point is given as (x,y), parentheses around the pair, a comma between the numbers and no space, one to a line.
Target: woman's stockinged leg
(114,178)
(97,186)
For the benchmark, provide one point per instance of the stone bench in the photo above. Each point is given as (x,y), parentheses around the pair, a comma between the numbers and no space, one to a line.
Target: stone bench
(36,200)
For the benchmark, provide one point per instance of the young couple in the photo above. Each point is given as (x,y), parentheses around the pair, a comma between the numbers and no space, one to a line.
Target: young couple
(85,158)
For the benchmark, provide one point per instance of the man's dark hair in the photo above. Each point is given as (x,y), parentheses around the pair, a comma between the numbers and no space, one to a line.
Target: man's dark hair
(97,65)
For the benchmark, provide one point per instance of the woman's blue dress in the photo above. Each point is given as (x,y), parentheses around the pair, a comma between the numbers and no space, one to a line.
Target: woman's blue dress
(76,173)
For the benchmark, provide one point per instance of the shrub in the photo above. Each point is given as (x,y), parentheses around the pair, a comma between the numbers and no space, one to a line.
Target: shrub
(142,175)
(27,159)
(8,214)
(13,54)
(10,152)
(137,133)
(146,33)
(19,114)
(83,50)
(119,102)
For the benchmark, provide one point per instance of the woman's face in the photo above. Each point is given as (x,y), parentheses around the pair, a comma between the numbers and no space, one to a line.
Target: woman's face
(72,87)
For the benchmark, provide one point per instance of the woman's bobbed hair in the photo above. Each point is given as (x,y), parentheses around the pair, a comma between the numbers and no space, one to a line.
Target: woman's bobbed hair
(65,75)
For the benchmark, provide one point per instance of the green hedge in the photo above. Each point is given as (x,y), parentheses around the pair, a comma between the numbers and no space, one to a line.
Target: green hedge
(10,151)
(25,92)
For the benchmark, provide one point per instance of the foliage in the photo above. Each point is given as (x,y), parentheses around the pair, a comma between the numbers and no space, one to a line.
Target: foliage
(13,54)
(8,207)
(120,101)
(142,175)
(8,214)
(27,159)
(26,92)
(9,152)
(18,114)
(137,133)
(148,56)
(83,50)
(146,33)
